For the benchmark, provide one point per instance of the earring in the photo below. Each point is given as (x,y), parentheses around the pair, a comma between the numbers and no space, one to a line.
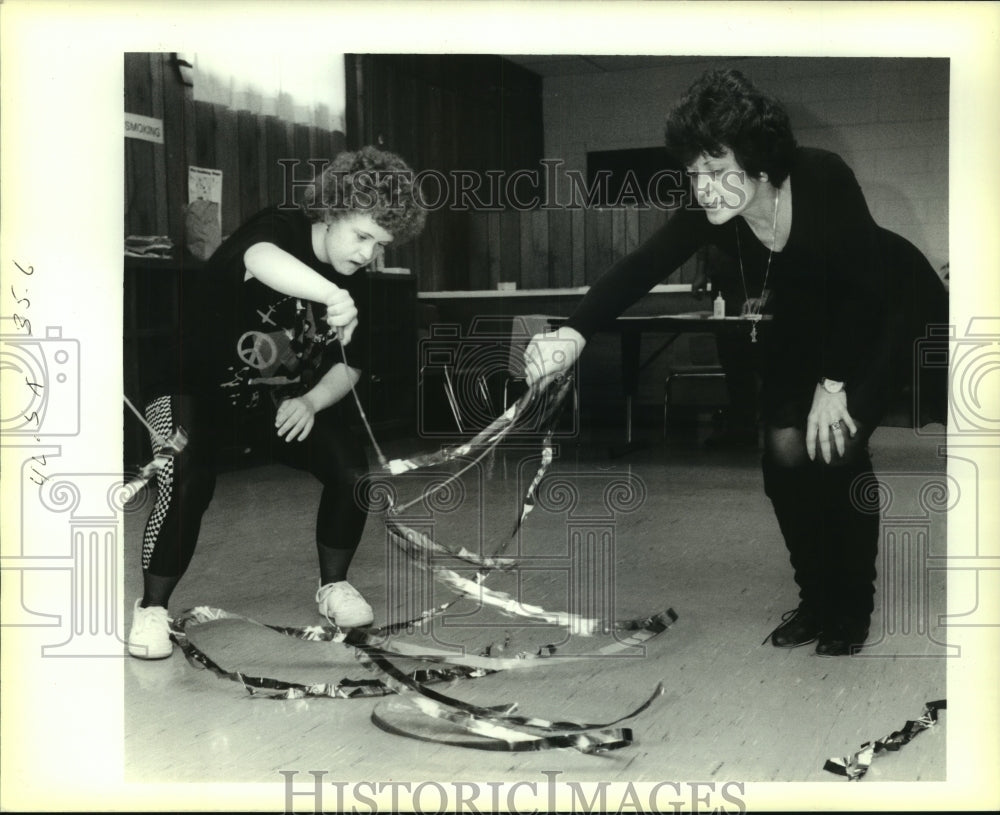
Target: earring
(763,177)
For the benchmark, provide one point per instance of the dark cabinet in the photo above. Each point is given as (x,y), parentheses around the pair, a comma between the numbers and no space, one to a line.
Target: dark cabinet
(150,311)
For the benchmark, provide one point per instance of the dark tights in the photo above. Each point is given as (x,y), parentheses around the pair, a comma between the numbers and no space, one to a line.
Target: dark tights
(828,514)
(332,453)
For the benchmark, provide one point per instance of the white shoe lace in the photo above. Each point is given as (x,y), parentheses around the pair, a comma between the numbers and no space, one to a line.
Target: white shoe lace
(149,617)
(351,600)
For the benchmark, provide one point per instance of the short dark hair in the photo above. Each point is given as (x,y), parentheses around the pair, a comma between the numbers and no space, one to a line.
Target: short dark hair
(371,182)
(723,109)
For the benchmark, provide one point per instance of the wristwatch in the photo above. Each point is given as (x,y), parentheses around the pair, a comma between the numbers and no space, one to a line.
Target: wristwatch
(831,385)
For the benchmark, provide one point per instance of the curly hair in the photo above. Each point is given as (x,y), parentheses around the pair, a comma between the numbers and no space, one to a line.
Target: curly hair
(723,109)
(369,181)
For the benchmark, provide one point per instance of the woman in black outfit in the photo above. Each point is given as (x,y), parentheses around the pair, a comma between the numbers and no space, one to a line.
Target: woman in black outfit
(843,302)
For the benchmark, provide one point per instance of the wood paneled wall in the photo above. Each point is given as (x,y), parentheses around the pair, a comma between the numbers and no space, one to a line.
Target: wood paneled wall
(560,248)
(479,113)
(245,146)
(446,112)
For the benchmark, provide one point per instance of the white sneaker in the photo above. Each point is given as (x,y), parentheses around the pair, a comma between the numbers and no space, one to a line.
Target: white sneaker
(150,634)
(344,605)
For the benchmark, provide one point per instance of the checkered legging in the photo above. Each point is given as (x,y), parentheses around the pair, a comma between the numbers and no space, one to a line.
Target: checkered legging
(159,414)
(332,452)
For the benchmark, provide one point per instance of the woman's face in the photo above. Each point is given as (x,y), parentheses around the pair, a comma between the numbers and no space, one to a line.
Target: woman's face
(722,187)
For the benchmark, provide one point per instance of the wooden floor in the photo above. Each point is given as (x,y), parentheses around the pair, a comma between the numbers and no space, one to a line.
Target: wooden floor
(689,529)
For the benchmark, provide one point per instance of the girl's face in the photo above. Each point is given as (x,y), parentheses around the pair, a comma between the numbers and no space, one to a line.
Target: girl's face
(722,187)
(350,243)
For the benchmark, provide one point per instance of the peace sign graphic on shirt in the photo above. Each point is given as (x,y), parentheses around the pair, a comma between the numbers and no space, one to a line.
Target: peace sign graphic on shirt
(257,350)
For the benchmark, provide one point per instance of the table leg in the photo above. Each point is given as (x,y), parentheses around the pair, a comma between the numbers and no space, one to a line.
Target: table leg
(630,375)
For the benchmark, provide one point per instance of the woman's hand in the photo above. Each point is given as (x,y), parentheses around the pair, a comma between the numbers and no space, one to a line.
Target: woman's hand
(550,354)
(828,417)
(341,313)
(295,418)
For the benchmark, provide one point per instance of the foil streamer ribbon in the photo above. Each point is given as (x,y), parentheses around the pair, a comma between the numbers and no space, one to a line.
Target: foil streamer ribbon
(493,728)
(419,547)
(496,736)
(166,449)
(280,689)
(855,766)
(376,642)
(491,658)
(497,727)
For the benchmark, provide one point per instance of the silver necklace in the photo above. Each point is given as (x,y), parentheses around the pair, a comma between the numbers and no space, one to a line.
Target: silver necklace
(754,312)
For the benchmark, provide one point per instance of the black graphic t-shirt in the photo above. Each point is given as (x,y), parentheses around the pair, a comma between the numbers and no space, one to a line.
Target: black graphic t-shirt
(242,341)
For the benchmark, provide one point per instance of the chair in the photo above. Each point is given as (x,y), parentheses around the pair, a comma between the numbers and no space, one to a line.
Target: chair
(478,369)
(697,362)
(440,363)
(470,368)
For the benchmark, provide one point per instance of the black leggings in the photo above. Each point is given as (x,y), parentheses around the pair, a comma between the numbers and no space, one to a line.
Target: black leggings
(828,515)
(331,452)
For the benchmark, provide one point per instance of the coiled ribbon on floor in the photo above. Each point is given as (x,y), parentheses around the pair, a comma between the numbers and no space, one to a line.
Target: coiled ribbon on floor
(491,728)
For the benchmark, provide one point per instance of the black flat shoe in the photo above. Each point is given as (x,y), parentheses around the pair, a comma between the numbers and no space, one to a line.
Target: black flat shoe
(843,639)
(798,627)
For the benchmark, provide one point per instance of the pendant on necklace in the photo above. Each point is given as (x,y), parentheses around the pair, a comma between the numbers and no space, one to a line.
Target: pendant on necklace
(753,333)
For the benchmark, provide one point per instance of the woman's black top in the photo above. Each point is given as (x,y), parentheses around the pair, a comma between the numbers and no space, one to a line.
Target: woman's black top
(847,297)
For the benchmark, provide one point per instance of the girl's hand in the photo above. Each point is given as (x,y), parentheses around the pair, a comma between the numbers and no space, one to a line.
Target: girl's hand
(828,418)
(295,418)
(341,314)
(550,354)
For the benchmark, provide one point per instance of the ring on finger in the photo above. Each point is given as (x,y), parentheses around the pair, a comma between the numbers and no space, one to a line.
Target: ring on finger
(835,425)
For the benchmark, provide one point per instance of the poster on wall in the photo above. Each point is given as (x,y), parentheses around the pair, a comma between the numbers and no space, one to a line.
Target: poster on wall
(205,184)
(203,216)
